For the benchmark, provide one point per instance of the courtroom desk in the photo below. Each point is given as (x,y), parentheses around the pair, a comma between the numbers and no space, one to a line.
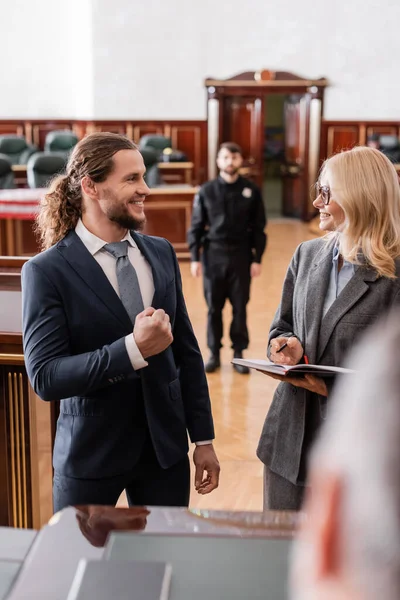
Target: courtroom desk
(177,172)
(18,208)
(25,425)
(236,552)
(168,212)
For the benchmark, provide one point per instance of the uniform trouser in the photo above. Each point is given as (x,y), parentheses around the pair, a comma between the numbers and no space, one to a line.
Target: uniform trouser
(226,276)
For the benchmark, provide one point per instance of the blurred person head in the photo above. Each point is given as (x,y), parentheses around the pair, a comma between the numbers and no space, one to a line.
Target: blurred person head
(104,175)
(96,522)
(229,160)
(373,141)
(358,197)
(349,545)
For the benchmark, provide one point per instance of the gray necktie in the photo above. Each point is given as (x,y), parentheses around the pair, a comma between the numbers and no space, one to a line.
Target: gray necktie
(128,283)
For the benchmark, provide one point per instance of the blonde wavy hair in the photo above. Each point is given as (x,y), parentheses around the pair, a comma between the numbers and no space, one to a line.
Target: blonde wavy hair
(368,190)
(61,207)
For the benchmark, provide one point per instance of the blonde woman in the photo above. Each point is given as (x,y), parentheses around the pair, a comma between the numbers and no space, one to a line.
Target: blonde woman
(335,287)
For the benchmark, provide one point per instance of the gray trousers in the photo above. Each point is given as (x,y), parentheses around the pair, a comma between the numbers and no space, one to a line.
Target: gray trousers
(281,494)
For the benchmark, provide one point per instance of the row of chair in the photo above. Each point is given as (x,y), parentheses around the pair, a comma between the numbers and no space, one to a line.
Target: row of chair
(42,166)
(19,150)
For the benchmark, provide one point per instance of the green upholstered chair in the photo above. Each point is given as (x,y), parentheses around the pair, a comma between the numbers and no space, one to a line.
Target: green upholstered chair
(60,141)
(43,166)
(154,142)
(163,146)
(16,148)
(150,158)
(7,181)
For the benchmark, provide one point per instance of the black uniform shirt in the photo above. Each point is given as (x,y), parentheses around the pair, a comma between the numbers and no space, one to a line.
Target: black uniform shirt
(230,213)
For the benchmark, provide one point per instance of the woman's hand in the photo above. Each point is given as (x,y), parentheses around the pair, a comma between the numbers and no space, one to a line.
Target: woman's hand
(291,355)
(308,382)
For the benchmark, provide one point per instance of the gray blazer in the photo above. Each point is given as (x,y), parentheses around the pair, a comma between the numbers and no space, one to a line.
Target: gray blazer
(326,341)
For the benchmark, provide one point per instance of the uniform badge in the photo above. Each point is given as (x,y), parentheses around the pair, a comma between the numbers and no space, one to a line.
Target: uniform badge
(247,193)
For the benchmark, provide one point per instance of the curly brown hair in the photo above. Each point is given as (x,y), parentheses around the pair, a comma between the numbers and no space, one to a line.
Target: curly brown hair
(61,207)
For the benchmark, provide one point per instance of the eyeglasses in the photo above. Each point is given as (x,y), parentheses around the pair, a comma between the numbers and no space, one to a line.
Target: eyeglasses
(324,191)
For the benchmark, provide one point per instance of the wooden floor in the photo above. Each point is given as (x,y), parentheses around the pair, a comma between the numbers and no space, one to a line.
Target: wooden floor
(240,402)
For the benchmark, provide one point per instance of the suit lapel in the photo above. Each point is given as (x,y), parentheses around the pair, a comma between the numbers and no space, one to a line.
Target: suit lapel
(353,291)
(77,255)
(317,285)
(150,252)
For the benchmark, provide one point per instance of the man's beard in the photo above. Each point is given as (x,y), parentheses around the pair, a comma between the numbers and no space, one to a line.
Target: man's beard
(118,213)
(125,220)
(231,171)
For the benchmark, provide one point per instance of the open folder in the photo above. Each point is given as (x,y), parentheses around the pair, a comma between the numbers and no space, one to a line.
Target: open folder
(301,369)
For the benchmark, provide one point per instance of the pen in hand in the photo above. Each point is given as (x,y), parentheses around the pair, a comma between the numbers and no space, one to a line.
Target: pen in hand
(282,347)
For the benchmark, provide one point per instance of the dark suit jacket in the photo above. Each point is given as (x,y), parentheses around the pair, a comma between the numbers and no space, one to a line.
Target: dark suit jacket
(74,328)
(326,341)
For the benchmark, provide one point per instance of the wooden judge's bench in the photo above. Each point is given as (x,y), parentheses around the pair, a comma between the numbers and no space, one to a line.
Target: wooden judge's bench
(168,212)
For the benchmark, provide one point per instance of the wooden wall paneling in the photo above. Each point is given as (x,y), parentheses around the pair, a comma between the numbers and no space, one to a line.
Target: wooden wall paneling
(120,127)
(39,129)
(12,128)
(382,129)
(139,130)
(341,137)
(191,140)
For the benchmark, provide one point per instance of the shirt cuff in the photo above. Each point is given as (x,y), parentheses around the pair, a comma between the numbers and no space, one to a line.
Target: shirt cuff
(134,354)
(204,443)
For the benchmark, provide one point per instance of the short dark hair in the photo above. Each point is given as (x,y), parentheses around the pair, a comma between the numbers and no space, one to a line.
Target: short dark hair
(232,147)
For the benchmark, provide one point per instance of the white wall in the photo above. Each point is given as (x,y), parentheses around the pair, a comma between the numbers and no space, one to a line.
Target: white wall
(47,64)
(148,59)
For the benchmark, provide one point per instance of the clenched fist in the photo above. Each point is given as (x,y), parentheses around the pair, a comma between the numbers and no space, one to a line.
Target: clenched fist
(152,332)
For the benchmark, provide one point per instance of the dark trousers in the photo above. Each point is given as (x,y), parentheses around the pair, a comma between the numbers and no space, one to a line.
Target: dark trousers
(281,494)
(226,276)
(147,484)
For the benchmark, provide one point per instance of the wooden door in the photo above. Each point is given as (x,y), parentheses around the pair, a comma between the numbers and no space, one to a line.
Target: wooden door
(295,168)
(243,123)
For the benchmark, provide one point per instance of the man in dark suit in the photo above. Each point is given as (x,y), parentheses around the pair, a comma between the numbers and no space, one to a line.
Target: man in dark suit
(127,399)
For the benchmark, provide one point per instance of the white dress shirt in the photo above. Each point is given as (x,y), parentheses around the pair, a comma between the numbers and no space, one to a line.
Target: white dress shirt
(107,261)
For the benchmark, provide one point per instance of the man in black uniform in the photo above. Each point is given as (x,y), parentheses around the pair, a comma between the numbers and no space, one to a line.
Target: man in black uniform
(228,224)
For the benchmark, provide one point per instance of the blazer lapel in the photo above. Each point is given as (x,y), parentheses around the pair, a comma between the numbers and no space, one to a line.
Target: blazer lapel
(150,252)
(317,285)
(77,255)
(353,291)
